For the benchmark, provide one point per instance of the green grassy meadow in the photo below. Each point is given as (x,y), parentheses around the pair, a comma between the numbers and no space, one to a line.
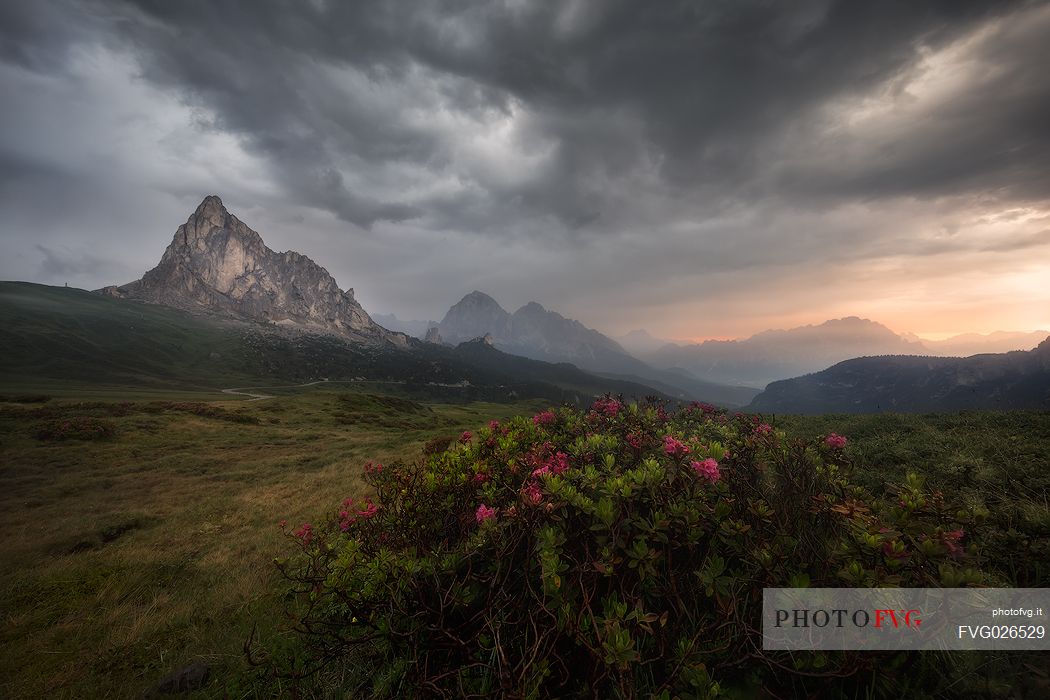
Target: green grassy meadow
(127,557)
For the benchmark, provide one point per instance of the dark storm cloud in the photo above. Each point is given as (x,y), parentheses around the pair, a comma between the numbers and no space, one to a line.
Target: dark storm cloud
(705,91)
(688,137)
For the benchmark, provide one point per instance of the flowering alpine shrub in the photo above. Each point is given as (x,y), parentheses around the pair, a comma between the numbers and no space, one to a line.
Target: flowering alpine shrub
(619,552)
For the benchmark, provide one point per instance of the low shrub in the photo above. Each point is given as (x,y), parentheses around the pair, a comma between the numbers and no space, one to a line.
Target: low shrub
(24,398)
(618,552)
(81,428)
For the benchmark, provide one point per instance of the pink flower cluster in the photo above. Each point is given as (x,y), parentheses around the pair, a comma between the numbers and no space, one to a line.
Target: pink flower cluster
(481,478)
(707,469)
(634,440)
(531,494)
(545,418)
(558,464)
(702,407)
(607,405)
(493,425)
(484,513)
(675,447)
(763,429)
(347,515)
(373,468)
(465,437)
(835,441)
(305,533)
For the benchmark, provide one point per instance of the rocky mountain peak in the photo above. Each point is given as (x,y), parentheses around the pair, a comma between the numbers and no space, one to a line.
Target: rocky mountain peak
(531,309)
(212,210)
(217,264)
(479,300)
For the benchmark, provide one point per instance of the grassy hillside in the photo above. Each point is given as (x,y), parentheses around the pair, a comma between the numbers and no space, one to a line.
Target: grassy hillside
(59,334)
(905,383)
(67,341)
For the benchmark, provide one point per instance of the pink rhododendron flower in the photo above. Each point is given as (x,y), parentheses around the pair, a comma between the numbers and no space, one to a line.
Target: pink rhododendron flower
(674,447)
(703,407)
(305,533)
(481,478)
(532,495)
(835,441)
(763,429)
(607,405)
(634,440)
(540,471)
(484,513)
(708,469)
(559,464)
(369,510)
(493,425)
(545,418)
(465,437)
(373,468)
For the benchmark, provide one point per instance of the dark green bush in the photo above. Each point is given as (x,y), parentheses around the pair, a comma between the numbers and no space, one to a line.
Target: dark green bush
(80,428)
(617,552)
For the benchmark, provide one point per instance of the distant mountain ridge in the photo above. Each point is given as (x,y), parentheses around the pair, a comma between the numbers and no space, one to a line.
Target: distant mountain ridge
(909,383)
(217,264)
(967,344)
(640,342)
(778,354)
(533,331)
(540,334)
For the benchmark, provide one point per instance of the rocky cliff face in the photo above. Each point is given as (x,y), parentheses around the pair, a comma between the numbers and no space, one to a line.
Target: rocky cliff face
(216,264)
(472,317)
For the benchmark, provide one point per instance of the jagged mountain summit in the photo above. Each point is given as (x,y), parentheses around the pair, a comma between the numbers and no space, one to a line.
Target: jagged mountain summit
(217,264)
(533,331)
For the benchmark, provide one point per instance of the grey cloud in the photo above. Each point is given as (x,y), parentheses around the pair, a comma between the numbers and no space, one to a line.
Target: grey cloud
(1033,240)
(679,140)
(701,89)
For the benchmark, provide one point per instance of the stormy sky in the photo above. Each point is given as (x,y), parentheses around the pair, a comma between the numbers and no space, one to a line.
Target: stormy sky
(700,169)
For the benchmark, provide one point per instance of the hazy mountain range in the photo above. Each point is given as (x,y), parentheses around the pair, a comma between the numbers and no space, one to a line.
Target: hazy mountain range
(533,331)
(221,304)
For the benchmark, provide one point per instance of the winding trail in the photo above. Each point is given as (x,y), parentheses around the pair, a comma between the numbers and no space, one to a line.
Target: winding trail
(251,391)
